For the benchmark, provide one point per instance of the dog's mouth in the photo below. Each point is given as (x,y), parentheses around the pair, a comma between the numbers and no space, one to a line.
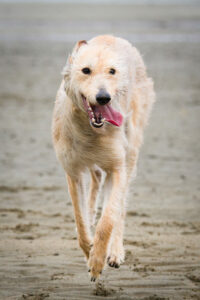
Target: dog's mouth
(99,114)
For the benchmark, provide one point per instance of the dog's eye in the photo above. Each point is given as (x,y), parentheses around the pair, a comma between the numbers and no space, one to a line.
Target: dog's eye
(86,70)
(112,71)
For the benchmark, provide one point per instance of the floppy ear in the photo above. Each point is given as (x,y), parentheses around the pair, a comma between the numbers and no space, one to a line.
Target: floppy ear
(76,49)
(70,58)
(78,45)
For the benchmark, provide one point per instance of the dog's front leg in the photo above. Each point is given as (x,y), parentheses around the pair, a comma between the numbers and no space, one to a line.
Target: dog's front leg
(106,224)
(83,235)
(116,250)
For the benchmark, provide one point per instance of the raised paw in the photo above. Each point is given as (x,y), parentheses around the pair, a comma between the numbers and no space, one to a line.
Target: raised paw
(113,262)
(116,257)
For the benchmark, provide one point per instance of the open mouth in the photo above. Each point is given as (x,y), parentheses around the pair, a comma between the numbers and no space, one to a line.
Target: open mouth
(99,114)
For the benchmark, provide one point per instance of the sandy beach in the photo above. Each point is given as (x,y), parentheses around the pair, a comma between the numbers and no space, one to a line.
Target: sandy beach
(39,253)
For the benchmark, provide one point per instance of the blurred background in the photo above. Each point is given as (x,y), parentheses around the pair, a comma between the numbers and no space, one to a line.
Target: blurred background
(39,254)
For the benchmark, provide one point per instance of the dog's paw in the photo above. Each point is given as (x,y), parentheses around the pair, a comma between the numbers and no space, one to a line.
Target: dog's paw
(116,257)
(96,263)
(113,261)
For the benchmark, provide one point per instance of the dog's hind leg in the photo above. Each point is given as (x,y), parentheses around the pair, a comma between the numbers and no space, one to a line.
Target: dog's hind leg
(94,188)
(82,229)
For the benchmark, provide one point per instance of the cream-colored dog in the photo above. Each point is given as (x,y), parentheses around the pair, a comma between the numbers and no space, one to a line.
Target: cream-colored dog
(100,112)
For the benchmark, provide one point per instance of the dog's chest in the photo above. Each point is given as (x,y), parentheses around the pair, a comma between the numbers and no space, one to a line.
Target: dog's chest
(87,149)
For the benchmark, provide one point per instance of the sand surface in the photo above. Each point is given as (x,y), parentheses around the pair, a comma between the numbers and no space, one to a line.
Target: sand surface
(39,254)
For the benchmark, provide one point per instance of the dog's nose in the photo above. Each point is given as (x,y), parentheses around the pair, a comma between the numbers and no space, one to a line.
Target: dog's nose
(103,97)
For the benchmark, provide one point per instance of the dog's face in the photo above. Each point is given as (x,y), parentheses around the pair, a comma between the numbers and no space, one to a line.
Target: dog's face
(96,76)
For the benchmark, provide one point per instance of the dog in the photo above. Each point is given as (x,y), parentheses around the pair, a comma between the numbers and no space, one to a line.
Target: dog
(101,109)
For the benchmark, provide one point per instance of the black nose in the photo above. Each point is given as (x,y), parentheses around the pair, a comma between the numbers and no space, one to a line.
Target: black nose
(103,97)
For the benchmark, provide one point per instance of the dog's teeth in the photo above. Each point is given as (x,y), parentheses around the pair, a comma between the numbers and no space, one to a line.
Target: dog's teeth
(89,108)
(93,120)
(98,124)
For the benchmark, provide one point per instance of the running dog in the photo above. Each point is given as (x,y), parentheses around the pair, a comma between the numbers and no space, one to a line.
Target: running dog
(101,109)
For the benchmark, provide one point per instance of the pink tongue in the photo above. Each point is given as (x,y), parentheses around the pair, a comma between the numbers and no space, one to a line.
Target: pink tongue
(111,115)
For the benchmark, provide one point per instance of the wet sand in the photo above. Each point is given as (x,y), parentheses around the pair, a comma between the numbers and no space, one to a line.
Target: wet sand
(39,253)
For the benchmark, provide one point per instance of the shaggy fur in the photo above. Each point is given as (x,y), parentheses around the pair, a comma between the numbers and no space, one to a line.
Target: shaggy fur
(112,150)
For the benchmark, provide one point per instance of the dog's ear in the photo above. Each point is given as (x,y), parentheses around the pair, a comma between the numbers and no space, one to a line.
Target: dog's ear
(76,49)
(70,58)
(78,45)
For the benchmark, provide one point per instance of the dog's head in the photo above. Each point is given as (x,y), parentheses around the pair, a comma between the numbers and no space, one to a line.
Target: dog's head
(96,75)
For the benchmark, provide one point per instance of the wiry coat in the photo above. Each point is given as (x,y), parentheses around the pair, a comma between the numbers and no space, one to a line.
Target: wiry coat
(79,146)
